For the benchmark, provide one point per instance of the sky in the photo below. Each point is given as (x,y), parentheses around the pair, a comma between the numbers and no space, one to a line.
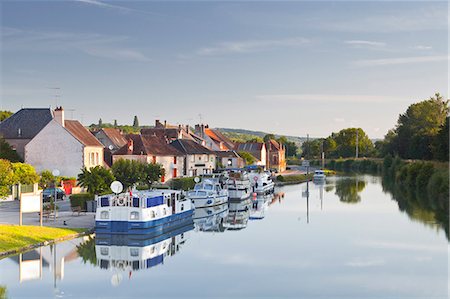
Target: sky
(291,68)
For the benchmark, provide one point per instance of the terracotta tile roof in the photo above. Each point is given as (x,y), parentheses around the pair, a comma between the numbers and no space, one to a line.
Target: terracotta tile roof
(190,147)
(219,137)
(30,121)
(81,133)
(169,133)
(149,145)
(227,154)
(115,136)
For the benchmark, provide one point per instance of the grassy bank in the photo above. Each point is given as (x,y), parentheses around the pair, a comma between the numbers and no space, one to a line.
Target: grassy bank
(14,237)
(293,179)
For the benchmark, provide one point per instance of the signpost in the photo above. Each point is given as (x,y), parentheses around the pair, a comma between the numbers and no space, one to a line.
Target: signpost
(55,173)
(30,203)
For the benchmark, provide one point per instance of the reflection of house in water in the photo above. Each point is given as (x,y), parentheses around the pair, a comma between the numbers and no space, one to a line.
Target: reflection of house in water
(125,253)
(53,257)
(238,214)
(211,219)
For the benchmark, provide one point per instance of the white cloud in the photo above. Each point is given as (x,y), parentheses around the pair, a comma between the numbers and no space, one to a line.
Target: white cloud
(352,98)
(248,46)
(98,45)
(362,263)
(360,43)
(339,119)
(423,48)
(115,7)
(402,246)
(399,60)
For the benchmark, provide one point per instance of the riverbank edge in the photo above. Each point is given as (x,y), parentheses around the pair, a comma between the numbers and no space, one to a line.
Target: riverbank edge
(45,243)
(279,184)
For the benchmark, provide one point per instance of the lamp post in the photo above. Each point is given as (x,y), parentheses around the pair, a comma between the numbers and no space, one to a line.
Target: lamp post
(55,173)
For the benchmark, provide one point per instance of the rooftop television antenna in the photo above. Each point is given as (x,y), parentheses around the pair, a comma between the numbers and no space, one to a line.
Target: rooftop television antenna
(57,94)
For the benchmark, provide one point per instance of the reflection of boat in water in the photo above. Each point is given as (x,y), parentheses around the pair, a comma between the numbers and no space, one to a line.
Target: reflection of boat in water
(239,186)
(238,214)
(211,219)
(260,205)
(262,182)
(142,212)
(319,175)
(127,254)
(208,193)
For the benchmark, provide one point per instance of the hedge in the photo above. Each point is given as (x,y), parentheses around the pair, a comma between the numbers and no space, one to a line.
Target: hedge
(79,200)
(183,183)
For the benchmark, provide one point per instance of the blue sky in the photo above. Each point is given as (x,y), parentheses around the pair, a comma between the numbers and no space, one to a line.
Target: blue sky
(283,67)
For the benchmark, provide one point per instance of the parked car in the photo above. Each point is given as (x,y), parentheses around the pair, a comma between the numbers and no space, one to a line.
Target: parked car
(50,193)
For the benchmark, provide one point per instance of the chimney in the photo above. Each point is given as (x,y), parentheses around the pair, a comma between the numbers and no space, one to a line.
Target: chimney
(58,115)
(187,128)
(202,132)
(157,124)
(165,124)
(130,147)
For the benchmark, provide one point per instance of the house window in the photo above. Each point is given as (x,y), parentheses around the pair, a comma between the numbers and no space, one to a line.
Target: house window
(96,159)
(154,159)
(91,158)
(193,158)
(199,158)
(175,160)
(134,215)
(174,172)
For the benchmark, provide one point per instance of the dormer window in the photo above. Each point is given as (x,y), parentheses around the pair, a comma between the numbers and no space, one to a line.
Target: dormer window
(19,132)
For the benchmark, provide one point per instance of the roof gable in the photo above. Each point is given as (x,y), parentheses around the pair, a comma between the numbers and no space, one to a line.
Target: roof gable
(81,133)
(25,123)
(190,147)
(115,136)
(148,145)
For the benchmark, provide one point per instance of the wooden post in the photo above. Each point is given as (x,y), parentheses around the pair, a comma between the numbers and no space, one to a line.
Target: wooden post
(20,211)
(41,198)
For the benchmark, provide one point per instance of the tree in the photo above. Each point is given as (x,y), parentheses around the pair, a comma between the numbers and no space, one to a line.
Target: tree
(100,123)
(267,137)
(153,173)
(441,143)
(417,128)
(346,143)
(6,177)
(291,147)
(96,180)
(7,153)
(135,122)
(4,114)
(129,172)
(47,179)
(115,123)
(248,158)
(311,148)
(24,173)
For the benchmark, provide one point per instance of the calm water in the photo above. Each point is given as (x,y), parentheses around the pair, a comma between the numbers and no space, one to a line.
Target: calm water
(350,239)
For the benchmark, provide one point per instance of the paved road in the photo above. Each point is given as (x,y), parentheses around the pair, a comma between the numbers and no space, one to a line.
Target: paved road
(9,214)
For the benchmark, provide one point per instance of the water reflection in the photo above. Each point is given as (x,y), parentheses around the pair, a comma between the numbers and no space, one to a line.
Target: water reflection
(211,219)
(348,189)
(418,207)
(238,214)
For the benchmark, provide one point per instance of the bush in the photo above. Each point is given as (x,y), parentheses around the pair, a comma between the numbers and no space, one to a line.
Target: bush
(183,183)
(438,189)
(298,178)
(280,178)
(79,200)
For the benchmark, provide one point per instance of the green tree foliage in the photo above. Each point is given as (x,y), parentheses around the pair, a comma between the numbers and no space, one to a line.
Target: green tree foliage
(441,143)
(311,148)
(6,152)
(96,180)
(100,122)
(417,130)
(86,251)
(130,172)
(3,293)
(348,190)
(47,179)
(291,147)
(135,122)
(268,137)
(115,123)
(346,143)
(248,158)
(4,114)
(6,177)
(24,173)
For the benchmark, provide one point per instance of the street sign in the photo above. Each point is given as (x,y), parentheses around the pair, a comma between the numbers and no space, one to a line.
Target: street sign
(305,163)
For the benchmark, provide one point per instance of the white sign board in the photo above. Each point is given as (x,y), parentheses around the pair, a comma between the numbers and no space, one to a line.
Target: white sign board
(30,203)
(305,163)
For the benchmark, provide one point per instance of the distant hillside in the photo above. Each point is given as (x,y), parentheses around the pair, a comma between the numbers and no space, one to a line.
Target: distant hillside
(248,134)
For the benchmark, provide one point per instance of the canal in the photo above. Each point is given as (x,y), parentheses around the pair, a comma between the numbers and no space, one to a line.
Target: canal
(349,237)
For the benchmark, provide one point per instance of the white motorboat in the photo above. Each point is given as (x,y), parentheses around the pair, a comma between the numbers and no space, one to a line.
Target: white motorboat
(210,219)
(319,175)
(262,182)
(239,186)
(238,214)
(208,193)
(149,212)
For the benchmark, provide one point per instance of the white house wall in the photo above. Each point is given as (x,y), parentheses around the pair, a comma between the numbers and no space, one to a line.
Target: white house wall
(55,148)
(93,156)
(200,164)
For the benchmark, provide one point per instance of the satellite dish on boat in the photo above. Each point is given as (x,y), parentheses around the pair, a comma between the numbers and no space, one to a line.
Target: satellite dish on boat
(116,279)
(196,179)
(116,187)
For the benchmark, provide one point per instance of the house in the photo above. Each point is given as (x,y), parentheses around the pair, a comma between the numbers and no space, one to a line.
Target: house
(256,149)
(229,160)
(112,139)
(276,156)
(169,132)
(198,159)
(21,127)
(65,145)
(152,149)
(214,139)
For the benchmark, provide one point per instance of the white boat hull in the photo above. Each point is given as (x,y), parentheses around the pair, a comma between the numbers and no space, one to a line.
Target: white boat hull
(209,201)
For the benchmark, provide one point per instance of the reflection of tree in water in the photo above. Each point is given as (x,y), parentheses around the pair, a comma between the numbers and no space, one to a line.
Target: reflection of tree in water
(418,207)
(86,251)
(348,189)
(3,292)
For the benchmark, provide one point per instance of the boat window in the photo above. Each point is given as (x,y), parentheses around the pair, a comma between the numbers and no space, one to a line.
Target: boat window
(152,214)
(134,215)
(182,207)
(134,252)
(104,201)
(104,251)
(164,212)
(136,202)
(209,187)
(104,215)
